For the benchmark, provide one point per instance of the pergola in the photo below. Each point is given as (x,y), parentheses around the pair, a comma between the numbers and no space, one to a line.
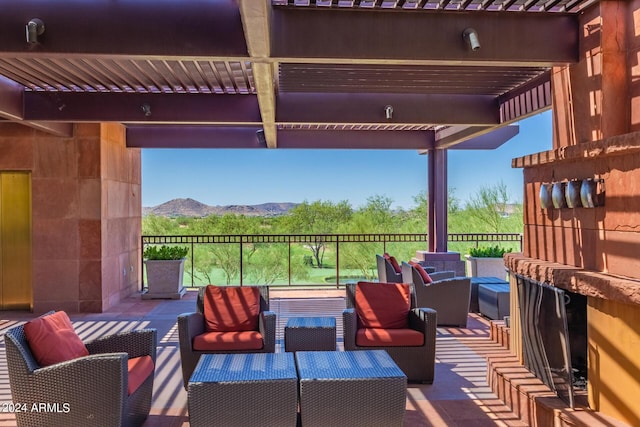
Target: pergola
(427,75)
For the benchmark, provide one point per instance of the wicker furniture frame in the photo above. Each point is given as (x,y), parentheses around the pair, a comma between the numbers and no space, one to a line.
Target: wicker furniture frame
(493,300)
(448,295)
(94,386)
(350,388)
(310,334)
(252,389)
(386,272)
(474,306)
(192,324)
(418,363)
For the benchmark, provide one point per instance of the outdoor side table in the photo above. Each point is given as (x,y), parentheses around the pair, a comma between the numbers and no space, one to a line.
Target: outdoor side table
(252,389)
(310,333)
(350,388)
(474,307)
(493,300)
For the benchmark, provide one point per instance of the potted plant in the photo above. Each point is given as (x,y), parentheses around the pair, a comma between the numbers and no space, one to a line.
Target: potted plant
(486,262)
(165,268)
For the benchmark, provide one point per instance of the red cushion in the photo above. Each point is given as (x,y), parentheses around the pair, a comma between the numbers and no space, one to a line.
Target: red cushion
(377,337)
(423,273)
(231,308)
(383,305)
(52,339)
(139,369)
(223,341)
(394,262)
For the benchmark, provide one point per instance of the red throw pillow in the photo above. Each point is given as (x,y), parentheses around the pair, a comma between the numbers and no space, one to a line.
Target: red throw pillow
(52,339)
(383,305)
(423,273)
(231,308)
(394,262)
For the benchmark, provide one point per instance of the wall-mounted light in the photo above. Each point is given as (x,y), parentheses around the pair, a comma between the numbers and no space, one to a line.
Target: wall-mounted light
(262,141)
(470,35)
(34,28)
(146,109)
(388,112)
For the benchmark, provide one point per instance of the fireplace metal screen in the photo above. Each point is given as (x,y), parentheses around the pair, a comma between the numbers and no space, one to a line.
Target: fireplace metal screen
(545,337)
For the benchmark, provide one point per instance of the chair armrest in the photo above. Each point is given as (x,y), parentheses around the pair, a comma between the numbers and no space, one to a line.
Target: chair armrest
(350,295)
(100,378)
(440,275)
(424,320)
(189,326)
(349,328)
(267,327)
(136,343)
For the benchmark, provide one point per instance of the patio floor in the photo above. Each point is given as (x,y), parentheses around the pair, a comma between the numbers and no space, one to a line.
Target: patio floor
(459,396)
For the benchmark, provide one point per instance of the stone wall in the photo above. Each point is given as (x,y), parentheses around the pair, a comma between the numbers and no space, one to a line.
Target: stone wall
(86,212)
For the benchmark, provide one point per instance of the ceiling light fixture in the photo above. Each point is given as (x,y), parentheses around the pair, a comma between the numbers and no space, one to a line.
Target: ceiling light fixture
(470,35)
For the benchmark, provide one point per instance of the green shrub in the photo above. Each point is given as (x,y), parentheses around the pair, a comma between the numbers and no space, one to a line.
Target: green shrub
(488,252)
(165,252)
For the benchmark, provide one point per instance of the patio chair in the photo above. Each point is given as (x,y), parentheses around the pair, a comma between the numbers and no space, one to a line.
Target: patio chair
(228,319)
(448,295)
(388,269)
(380,316)
(109,384)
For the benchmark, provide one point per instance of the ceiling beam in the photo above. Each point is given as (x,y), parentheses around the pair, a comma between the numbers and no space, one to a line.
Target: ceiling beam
(256,18)
(11,102)
(525,39)
(474,137)
(128,27)
(355,139)
(12,107)
(140,108)
(178,136)
(370,108)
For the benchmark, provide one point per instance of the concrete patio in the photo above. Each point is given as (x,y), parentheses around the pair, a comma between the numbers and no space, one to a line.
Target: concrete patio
(459,396)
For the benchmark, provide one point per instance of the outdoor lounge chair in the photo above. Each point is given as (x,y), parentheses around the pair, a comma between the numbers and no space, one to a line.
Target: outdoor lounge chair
(387,272)
(448,295)
(410,338)
(227,333)
(86,390)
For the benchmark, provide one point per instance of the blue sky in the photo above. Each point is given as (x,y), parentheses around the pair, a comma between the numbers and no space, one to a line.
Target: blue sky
(249,176)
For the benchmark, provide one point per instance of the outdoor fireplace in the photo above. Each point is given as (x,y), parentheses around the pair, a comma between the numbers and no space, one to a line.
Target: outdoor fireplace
(554,336)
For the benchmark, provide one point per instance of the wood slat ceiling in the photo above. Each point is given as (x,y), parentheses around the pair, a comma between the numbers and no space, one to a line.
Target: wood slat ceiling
(345,78)
(571,6)
(130,75)
(291,77)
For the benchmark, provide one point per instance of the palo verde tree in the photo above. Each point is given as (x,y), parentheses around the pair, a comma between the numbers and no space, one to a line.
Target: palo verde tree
(489,206)
(316,218)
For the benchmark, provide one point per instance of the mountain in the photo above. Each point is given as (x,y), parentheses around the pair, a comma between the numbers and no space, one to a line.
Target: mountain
(193,208)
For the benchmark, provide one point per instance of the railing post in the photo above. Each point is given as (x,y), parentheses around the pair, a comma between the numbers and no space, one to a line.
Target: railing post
(289,246)
(240,260)
(141,263)
(192,264)
(337,263)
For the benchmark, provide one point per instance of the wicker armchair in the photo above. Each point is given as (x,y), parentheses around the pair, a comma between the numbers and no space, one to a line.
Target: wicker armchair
(191,325)
(386,272)
(448,295)
(417,362)
(89,390)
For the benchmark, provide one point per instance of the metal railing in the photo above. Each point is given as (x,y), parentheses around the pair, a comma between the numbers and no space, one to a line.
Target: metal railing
(245,240)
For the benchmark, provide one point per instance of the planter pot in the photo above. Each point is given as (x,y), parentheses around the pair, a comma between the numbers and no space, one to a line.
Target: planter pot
(485,267)
(164,279)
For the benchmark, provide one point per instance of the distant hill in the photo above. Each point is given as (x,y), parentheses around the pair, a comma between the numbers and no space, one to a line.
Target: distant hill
(193,208)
